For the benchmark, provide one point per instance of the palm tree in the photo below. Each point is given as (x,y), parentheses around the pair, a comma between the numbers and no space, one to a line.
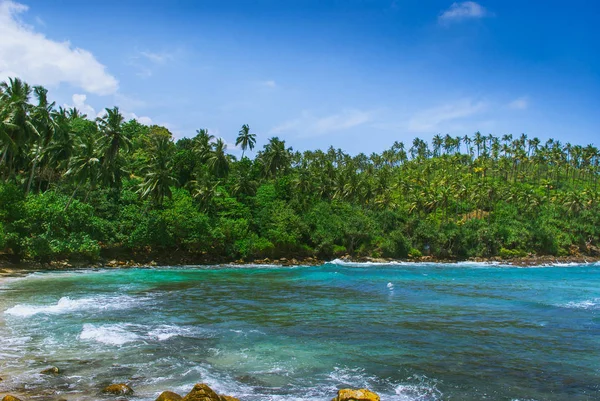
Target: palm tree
(245,139)
(114,140)
(202,143)
(46,128)
(85,165)
(218,162)
(275,156)
(159,176)
(16,125)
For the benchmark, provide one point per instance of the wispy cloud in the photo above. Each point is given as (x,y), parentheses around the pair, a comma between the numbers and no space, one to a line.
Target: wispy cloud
(521,103)
(307,125)
(440,118)
(460,11)
(157,58)
(269,84)
(147,61)
(32,56)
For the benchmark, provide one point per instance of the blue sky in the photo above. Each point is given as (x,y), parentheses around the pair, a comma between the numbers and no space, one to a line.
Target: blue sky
(355,74)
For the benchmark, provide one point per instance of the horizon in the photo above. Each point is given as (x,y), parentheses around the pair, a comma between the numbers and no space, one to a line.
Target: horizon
(352,75)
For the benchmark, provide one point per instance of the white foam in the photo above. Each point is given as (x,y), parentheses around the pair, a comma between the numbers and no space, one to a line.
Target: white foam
(110,334)
(585,304)
(68,305)
(165,332)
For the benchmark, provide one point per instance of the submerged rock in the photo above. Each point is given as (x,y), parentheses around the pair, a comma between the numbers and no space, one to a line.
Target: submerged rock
(10,398)
(361,394)
(169,396)
(51,371)
(118,389)
(201,392)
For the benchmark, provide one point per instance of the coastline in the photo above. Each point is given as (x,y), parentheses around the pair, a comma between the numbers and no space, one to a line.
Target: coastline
(10,268)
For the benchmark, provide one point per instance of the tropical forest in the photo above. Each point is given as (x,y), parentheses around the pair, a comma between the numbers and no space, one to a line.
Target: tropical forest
(83,188)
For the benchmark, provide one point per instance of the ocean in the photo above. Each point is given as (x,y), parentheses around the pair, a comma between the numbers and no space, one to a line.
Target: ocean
(466,331)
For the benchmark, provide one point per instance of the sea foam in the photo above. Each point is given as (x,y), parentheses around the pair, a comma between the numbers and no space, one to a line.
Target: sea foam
(68,305)
(110,334)
(591,304)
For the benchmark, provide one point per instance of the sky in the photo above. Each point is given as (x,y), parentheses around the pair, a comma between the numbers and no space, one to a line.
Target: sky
(353,74)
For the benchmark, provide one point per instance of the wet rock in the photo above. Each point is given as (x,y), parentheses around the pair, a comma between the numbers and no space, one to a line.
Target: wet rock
(118,389)
(62,399)
(51,371)
(10,398)
(361,394)
(169,396)
(201,392)
(228,398)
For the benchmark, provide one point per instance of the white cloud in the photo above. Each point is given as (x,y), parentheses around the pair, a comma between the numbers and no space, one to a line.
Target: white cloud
(438,118)
(461,11)
(521,103)
(269,84)
(35,58)
(140,119)
(308,125)
(82,106)
(157,58)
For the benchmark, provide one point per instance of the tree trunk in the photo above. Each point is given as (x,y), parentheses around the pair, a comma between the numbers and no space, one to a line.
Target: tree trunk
(33,168)
(72,197)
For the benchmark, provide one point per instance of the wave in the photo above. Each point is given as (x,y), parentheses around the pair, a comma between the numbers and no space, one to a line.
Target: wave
(110,334)
(468,263)
(123,333)
(590,304)
(68,305)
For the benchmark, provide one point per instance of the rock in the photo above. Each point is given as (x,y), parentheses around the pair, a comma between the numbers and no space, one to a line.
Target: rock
(169,396)
(228,398)
(51,371)
(361,394)
(10,398)
(201,392)
(118,389)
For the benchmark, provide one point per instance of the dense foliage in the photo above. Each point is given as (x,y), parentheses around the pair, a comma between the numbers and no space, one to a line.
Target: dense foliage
(73,187)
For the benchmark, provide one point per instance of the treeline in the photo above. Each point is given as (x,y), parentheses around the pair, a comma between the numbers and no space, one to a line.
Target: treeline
(71,187)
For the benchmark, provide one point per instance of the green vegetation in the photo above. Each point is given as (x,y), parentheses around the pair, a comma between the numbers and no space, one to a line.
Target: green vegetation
(75,188)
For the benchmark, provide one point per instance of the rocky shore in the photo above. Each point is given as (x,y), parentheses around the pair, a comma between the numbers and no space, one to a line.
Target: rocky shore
(8,267)
(202,392)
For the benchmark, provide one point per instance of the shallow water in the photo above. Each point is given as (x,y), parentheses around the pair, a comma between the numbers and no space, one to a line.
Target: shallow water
(407,331)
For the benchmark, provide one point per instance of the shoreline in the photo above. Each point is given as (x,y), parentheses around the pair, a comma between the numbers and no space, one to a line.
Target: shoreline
(9,268)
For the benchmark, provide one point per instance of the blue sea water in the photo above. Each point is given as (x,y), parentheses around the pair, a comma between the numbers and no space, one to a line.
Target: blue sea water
(406,331)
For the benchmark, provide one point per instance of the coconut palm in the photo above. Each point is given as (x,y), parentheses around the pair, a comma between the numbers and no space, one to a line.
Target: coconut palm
(218,161)
(245,139)
(159,176)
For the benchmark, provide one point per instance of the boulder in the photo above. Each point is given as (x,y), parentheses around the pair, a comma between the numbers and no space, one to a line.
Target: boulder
(51,371)
(169,396)
(118,389)
(361,394)
(201,392)
(10,398)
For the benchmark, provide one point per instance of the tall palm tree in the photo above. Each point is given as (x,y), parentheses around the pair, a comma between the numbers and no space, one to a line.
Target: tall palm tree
(159,176)
(114,140)
(245,139)
(84,166)
(275,156)
(202,144)
(46,127)
(16,124)
(218,162)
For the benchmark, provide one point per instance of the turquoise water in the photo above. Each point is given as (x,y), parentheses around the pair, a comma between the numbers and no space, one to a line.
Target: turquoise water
(409,332)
